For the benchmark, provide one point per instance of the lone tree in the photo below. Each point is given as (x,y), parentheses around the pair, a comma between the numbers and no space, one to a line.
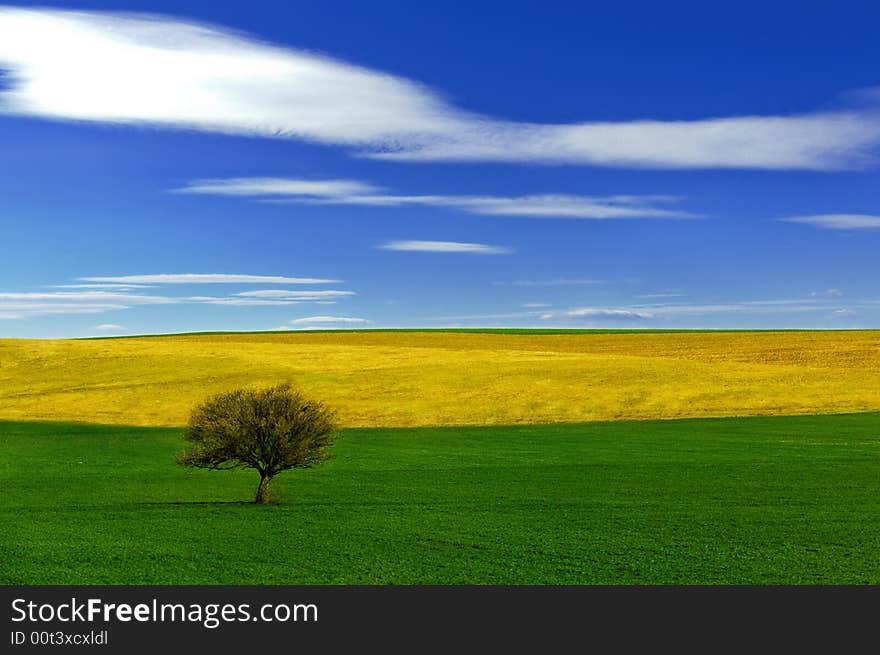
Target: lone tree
(270,430)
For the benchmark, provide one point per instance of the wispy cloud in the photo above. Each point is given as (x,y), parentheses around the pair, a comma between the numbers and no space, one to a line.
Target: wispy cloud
(276,186)
(571,206)
(670,310)
(109,327)
(284,294)
(273,297)
(446,247)
(243,302)
(600,314)
(351,192)
(206,278)
(87,296)
(19,305)
(22,310)
(827,293)
(839,221)
(843,313)
(345,320)
(137,69)
(747,306)
(115,287)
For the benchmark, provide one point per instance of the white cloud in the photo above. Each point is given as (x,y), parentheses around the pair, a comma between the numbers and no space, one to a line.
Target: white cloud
(20,310)
(244,302)
(535,305)
(86,299)
(827,293)
(137,69)
(817,141)
(663,311)
(206,278)
(346,192)
(272,297)
(94,301)
(109,327)
(275,186)
(599,313)
(284,294)
(308,320)
(568,206)
(115,287)
(748,306)
(446,247)
(843,313)
(839,221)
(87,296)
(47,303)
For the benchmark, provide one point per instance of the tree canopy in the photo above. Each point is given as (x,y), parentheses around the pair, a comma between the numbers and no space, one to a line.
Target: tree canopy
(270,430)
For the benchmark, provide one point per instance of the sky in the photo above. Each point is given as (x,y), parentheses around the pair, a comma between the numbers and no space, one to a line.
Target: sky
(192,166)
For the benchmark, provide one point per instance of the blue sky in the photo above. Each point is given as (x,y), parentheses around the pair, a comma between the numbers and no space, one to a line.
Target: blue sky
(264,165)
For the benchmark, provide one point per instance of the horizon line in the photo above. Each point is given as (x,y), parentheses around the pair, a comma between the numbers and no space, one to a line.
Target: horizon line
(489,330)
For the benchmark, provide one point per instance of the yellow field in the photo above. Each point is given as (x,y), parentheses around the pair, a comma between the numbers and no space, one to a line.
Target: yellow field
(412,378)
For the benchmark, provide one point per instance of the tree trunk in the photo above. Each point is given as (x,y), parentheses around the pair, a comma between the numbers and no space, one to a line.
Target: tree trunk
(263,490)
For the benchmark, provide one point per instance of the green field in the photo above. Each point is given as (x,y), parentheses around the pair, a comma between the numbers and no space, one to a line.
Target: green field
(792,500)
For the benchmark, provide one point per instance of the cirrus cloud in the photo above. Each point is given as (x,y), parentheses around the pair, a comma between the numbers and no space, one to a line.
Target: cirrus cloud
(100,297)
(206,278)
(446,247)
(352,192)
(141,69)
(21,305)
(600,314)
(329,320)
(284,294)
(843,313)
(838,221)
(277,186)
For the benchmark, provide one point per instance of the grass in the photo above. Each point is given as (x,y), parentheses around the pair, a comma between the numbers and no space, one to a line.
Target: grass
(424,378)
(787,500)
(476,330)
